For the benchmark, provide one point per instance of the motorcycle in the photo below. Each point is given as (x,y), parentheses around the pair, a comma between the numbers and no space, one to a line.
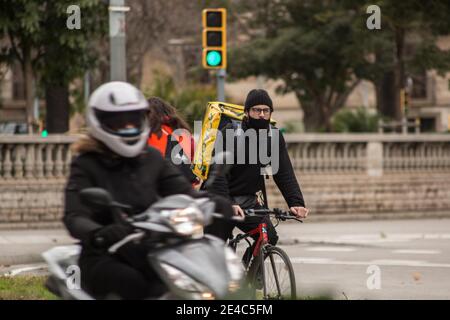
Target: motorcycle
(191,264)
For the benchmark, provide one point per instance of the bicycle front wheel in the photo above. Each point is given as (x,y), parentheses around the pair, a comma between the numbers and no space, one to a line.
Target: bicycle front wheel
(275,277)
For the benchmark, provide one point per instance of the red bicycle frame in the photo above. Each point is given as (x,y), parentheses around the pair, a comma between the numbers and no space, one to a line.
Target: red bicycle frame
(262,239)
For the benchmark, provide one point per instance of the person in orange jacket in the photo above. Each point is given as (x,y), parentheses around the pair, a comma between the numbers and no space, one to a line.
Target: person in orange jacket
(165,136)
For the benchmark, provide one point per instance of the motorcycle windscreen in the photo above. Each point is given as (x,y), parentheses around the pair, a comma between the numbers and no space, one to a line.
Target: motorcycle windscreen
(203,260)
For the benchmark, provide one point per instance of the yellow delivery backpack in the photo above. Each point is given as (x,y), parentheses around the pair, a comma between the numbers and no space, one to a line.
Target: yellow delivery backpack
(217,116)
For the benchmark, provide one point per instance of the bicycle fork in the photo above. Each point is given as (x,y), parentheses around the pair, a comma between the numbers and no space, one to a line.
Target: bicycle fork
(259,252)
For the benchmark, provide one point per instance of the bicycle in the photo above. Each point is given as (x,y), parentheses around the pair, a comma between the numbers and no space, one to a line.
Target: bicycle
(265,258)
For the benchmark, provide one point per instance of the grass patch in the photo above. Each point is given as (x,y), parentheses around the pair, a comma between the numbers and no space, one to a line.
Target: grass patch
(24,288)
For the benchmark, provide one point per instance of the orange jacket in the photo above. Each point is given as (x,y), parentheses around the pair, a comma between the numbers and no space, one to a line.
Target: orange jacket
(161,143)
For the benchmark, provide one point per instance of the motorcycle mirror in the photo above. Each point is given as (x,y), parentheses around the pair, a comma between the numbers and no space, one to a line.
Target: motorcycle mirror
(96,197)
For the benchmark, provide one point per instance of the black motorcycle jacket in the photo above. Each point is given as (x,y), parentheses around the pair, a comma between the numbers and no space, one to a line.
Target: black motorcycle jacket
(138,182)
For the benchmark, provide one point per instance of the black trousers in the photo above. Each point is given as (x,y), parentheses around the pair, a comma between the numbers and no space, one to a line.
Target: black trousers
(251,223)
(124,275)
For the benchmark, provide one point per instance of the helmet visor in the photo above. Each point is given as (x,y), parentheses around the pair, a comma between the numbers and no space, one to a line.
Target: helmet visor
(124,124)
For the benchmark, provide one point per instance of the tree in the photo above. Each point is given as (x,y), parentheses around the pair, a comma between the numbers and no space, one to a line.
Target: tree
(69,53)
(406,44)
(20,32)
(322,49)
(313,48)
(152,23)
(190,100)
(50,54)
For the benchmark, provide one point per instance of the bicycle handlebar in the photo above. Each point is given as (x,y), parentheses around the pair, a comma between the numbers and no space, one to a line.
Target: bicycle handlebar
(278,213)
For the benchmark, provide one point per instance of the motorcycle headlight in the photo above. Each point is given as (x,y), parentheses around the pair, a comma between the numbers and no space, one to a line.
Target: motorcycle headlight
(187,222)
(235,269)
(190,287)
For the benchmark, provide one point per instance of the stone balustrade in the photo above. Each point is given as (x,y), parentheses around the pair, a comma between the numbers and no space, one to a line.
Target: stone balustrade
(28,157)
(339,174)
(31,157)
(371,154)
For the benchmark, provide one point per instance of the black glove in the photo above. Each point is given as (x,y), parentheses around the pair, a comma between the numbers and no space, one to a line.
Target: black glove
(107,236)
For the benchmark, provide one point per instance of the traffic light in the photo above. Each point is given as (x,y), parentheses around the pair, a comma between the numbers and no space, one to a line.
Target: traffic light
(214,40)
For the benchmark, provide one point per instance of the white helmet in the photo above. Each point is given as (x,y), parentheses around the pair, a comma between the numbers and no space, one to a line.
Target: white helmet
(117,116)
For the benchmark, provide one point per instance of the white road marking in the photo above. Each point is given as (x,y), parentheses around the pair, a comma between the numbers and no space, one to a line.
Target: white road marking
(397,262)
(15,272)
(331,249)
(412,251)
(376,238)
(387,262)
(310,260)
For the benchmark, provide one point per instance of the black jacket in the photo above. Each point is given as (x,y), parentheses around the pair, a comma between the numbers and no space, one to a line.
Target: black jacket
(138,182)
(246,179)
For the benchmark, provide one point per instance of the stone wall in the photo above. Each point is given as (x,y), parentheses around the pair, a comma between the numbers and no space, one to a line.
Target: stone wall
(31,204)
(404,194)
(340,175)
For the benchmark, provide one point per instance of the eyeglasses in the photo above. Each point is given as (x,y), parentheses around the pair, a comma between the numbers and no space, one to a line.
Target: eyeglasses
(265,111)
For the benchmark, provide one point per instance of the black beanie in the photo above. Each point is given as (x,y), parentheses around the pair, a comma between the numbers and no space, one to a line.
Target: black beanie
(256,97)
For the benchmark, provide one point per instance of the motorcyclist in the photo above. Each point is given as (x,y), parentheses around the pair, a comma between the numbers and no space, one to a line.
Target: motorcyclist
(114,156)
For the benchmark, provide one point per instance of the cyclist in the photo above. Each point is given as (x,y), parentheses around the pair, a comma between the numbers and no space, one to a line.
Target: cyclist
(244,183)
(114,157)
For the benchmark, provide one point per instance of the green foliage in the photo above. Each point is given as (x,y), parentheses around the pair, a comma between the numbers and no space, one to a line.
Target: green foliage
(38,31)
(69,53)
(190,100)
(314,49)
(319,48)
(35,34)
(293,126)
(359,120)
(78,104)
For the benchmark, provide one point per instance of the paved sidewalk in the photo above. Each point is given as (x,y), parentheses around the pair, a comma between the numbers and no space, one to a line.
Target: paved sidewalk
(26,246)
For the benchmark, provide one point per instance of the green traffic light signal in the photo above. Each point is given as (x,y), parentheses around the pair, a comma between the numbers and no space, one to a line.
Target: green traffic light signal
(44,133)
(213,58)
(214,38)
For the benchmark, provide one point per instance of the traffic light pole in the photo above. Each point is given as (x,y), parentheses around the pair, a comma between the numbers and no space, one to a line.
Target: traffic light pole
(221,74)
(117,10)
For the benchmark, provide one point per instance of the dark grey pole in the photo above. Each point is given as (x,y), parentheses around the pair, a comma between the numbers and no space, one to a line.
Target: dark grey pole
(221,74)
(117,10)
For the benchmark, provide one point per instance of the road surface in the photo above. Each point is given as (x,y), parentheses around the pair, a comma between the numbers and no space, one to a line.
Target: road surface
(382,259)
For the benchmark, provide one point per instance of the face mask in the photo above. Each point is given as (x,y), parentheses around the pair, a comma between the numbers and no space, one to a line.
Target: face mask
(258,123)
